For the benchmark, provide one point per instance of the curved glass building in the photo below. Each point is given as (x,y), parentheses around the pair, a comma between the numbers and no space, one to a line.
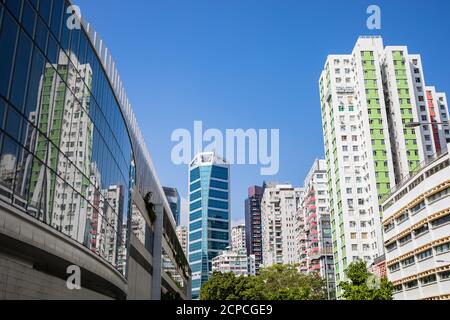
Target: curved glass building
(77,184)
(209,215)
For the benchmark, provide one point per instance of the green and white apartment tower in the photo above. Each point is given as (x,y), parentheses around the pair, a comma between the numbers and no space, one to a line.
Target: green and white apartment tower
(367,97)
(209,214)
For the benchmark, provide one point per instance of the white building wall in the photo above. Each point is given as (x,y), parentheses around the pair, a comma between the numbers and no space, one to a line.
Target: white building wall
(278,210)
(417,243)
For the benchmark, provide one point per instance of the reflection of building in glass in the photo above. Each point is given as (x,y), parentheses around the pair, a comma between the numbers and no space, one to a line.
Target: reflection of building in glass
(174,202)
(122,251)
(209,218)
(7,167)
(106,229)
(64,202)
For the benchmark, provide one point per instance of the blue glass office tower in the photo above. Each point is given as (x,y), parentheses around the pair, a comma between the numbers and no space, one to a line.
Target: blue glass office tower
(209,214)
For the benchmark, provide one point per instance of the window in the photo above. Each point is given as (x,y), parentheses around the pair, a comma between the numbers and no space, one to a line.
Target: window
(405,239)
(439,195)
(424,254)
(394,267)
(408,262)
(403,217)
(445,275)
(398,288)
(440,221)
(411,284)
(442,248)
(428,279)
(419,231)
(418,207)
(389,226)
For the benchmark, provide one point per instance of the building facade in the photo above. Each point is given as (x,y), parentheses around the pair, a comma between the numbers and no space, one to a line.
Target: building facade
(183,237)
(238,242)
(278,212)
(235,261)
(416,227)
(367,98)
(173,197)
(378,267)
(74,168)
(253,224)
(209,217)
(315,250)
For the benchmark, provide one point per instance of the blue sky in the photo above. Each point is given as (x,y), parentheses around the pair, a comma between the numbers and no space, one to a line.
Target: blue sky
(249,64)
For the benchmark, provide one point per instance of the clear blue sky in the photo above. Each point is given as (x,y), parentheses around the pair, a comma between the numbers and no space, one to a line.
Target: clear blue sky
(250,64)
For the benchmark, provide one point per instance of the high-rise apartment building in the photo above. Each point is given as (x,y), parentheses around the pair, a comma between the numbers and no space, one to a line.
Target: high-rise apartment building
(173,197)
(278,214)
(315,250)
(182,234)
(209,218)
(238,238)
(367,98)
(253,223)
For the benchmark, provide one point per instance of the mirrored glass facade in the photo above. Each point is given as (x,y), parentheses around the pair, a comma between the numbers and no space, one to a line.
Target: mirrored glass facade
(72,158)
(66,155)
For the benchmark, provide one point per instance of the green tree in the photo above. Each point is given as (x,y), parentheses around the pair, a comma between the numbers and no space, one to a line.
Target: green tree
(363,285)
(222,286)
(278,282)
(285,282)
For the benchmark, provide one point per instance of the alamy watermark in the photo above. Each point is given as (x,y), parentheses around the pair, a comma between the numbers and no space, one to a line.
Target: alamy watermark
(74,20)
(374,20)
(73,282)
(237,146)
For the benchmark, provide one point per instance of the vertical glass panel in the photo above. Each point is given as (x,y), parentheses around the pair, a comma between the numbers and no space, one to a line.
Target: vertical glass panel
(22,181)
(65,32)
(35,86)
(28,18)
(52,50)
(41,35)
(74,39)
(34,3)
(44,10)
(14,6)
(35,187)
(56,17)
(82,49)
(8,35)
(13,123)
(2,112)
(21,67)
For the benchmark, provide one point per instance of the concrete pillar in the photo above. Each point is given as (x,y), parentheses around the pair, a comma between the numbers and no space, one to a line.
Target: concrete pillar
(157,252)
